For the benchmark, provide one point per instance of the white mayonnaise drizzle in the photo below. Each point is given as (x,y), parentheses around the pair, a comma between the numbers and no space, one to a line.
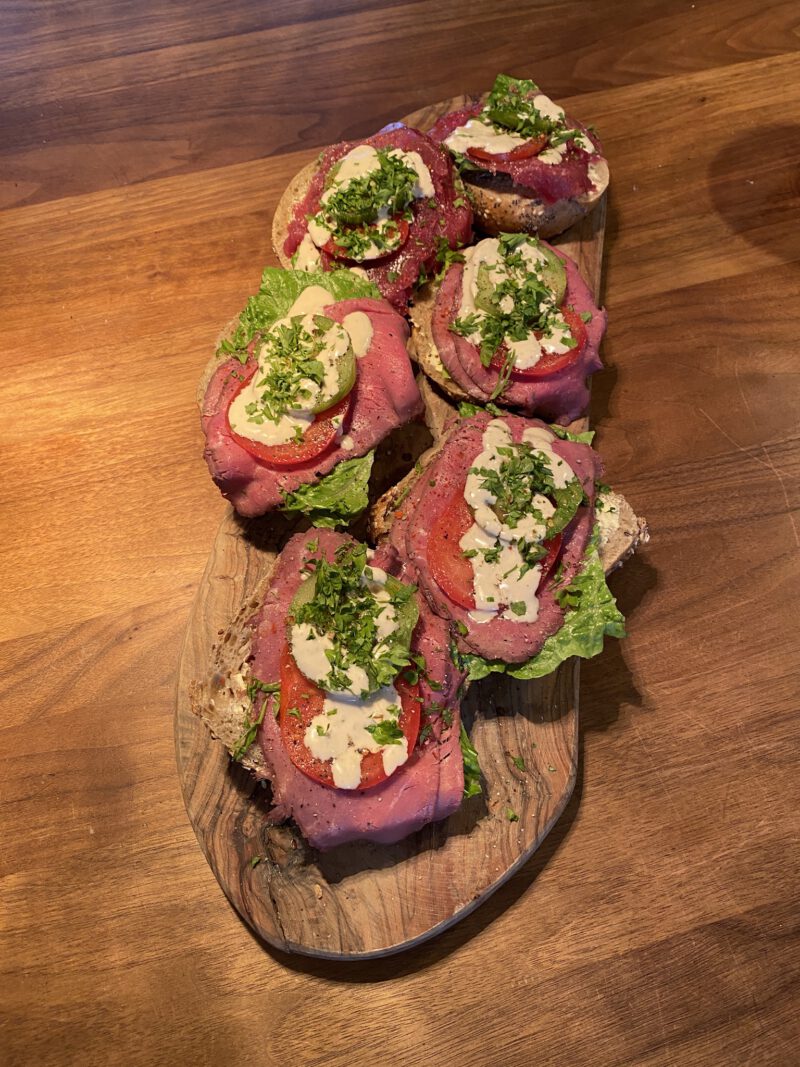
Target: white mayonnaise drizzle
(598,174)
(360,161)
(339,733)
(344,739)
(309,648)
(306,256)
(355,330)
(477,133)
(500,584)
(528,351)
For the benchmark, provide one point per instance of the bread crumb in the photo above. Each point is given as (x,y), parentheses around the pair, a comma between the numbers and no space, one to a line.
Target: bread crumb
(317,890)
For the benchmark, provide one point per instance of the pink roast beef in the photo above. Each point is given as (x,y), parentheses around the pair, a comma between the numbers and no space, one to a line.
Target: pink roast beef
(385,396)
(444,220)
(427,788)
(513,642)
(561,396)
(549,182)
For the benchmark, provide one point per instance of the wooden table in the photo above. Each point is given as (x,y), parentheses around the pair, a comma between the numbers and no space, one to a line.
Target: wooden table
(143,148)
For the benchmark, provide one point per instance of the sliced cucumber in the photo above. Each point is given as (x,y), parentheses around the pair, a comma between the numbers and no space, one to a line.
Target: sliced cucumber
(304,595)
(484,290)
(554,274)
(345,372)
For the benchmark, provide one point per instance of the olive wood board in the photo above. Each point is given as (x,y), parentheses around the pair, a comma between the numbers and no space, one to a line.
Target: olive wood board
(363,900)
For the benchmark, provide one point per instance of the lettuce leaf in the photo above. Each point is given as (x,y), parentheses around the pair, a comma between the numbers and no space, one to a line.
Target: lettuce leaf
(338,497)
(584,438)
(279,290)
(472,769)
(595,615)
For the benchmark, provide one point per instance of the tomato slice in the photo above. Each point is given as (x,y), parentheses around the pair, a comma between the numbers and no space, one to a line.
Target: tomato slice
(524,151)
(450,569)
(297,692)
(316,440)
(553,547)
(401,225)
(550,362)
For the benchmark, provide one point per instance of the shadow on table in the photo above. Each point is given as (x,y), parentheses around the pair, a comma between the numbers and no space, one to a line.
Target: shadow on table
(753,184)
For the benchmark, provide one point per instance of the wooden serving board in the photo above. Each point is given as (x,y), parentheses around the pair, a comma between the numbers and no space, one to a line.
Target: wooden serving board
(363,900)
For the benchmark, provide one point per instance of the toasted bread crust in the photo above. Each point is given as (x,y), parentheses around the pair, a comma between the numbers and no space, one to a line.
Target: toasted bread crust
(500,207)
(422,346)
(220,699)
(294,191)
(210,368)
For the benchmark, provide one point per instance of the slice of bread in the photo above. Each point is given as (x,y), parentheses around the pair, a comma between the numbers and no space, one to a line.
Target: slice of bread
(422,346)
(501,207)
(294,191)
(220,698)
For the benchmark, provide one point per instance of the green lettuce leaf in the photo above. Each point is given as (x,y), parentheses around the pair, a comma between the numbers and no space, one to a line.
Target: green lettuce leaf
(585,438)
(336,499)
(594,616)
(472,769)
(279,290)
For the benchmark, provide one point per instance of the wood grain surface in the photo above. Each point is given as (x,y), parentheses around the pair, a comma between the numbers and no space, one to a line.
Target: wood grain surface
(142,149)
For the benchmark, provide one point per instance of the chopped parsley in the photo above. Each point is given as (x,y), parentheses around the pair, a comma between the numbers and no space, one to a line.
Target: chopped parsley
(525,473)
(342,608)
(362,214)
(250,726)
(511,105)
(289,375)
(515,299)
(386,732)
(472,768)
(511,815)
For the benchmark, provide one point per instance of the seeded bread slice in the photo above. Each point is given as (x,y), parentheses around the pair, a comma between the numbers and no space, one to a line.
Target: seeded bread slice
(501,207)
(294,191)
(220,698)
(422,346)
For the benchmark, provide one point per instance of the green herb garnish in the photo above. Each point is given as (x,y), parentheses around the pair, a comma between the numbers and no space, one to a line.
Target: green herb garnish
(472,769)
(386,732)
(342,608)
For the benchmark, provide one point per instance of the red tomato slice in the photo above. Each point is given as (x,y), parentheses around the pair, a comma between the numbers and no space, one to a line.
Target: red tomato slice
(524,151)
(401,225)
(317,439)
(450,569)
(298,692)
(550,362)
(553,547)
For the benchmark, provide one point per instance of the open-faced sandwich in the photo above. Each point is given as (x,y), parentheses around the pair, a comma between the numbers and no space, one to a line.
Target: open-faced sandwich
(389,205)
(528,167)
(506,537)
(513,323)
(341,691)
(314,374)
(340,680)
